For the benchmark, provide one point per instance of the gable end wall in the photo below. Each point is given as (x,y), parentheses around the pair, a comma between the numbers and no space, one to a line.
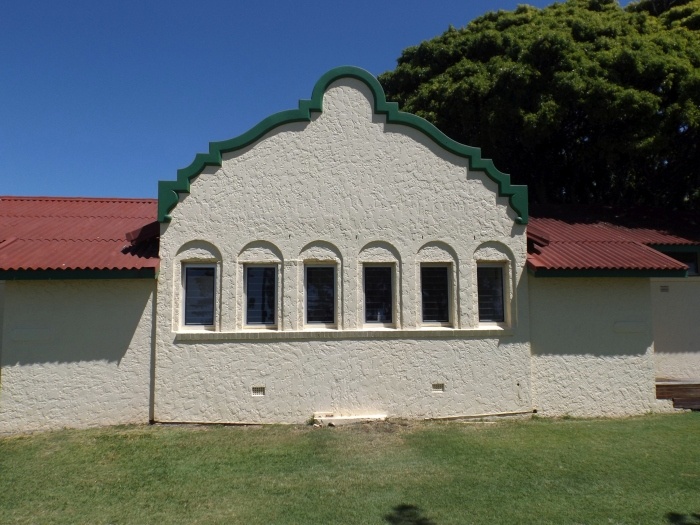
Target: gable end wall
(361,191)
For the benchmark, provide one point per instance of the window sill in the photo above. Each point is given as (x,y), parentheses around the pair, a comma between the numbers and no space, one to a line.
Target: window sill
(320,327)
(493,326)
(421,333)
(371,327)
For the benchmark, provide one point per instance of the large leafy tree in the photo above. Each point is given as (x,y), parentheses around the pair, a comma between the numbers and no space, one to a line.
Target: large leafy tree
(583,101)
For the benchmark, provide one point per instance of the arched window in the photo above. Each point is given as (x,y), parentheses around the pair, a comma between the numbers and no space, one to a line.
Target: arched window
(438,287)
(200,277)
(380,278)
(322,263)
(260,264)
(494,263)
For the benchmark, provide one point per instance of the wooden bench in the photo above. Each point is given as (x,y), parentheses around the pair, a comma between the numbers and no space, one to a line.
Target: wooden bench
(685,394)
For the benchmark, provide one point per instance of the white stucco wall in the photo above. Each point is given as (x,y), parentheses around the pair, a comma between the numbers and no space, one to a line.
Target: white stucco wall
(592,346)
(347,189)
(75,353)
(342,376)
(676,311)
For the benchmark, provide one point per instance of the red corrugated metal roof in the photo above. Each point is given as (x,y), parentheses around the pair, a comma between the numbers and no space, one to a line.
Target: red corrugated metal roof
(566,245)
(565,231)
(56,233)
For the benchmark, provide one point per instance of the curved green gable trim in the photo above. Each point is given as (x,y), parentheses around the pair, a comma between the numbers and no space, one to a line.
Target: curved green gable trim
(169,191)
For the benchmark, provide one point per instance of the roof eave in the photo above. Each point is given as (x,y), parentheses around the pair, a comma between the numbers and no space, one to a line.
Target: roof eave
(641,273)
(54,275)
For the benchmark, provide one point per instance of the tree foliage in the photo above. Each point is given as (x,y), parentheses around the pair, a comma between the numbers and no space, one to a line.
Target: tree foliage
(583,101)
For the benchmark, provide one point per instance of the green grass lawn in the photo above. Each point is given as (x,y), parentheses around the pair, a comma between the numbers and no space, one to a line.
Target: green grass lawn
(634,471)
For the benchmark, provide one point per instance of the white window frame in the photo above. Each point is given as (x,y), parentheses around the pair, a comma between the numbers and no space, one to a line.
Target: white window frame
(505,294)
(260,326)
(321,324)
(183,293)
(394,312)
(450,297)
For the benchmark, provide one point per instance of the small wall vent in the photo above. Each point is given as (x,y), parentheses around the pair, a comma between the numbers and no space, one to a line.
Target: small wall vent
(258,391)
(439,387)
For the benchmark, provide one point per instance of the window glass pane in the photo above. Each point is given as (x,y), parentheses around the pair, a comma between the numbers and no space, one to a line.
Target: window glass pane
(199,295)
(435,294)
(378,294)
(320,294)
(260,295)
(490,285)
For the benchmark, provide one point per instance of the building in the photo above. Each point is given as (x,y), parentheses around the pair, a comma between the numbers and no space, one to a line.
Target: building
(343,258)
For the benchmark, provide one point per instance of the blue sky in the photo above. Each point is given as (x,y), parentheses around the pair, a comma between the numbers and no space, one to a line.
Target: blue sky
(105,98)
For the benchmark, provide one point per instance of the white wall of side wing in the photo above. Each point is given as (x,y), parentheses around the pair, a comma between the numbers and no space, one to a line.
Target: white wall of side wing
(75,353)
(676,307)
(592,347)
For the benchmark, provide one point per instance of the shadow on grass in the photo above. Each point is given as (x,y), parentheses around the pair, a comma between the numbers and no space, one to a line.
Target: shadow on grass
(407,515)
(683,519)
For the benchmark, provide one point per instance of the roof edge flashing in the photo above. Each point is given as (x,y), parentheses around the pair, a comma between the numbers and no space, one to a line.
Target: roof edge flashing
(56,275)
(604,272)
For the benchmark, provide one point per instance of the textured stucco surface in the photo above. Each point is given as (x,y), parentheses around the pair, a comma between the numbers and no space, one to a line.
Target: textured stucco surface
(676,327)
(75,354)
(345,377)
(344,189)
(592,346)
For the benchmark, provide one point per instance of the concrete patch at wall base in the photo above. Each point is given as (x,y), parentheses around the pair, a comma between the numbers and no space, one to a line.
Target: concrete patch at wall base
(665,406)
(333,420)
